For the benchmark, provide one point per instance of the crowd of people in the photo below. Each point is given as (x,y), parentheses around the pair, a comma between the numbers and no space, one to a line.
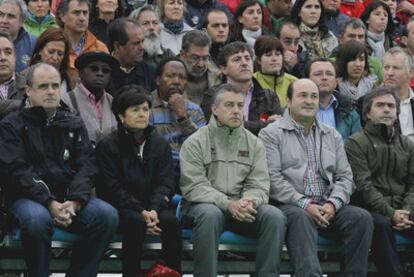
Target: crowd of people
(276,119)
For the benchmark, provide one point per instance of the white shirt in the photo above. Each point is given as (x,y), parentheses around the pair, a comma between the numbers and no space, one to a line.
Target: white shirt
(406,117)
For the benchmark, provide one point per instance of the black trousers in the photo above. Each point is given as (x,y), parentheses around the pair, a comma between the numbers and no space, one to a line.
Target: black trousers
(133,229)
(384,247)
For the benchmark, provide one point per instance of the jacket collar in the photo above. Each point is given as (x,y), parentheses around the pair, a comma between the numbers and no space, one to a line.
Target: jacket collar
(223,132)
(287,123)
(384,132)
(156,101)
(63,117)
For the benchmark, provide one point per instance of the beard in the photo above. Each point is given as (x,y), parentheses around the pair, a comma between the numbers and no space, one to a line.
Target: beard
(152,44)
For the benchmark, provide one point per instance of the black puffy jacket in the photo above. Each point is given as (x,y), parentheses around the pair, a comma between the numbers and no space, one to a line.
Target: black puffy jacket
(131,181)
(44,160)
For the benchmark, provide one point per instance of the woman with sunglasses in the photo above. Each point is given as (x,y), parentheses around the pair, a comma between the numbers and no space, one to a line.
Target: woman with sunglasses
(137,179)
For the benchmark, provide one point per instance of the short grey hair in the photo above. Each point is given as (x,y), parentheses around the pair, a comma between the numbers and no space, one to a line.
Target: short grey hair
(407,59)
(221,89)
(31,71)
(21,4)
(353,22)
(197,38)
(135,14)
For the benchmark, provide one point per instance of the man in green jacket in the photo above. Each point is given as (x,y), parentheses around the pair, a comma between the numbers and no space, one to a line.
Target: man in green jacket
(225,183)
(382,161)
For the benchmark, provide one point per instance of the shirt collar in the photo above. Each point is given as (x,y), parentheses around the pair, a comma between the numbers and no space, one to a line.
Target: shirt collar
(156,101)
(409,97)
(89,94)
(10,81)
(333,102)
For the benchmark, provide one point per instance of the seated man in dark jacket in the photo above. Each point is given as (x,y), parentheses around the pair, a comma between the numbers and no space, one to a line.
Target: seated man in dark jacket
(48,169)
(382,161)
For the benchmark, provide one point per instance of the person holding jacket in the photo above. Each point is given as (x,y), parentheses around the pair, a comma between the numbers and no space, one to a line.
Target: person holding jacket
(137,178)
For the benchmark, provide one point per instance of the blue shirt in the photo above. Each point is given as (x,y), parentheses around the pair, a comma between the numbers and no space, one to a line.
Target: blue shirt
(327,115)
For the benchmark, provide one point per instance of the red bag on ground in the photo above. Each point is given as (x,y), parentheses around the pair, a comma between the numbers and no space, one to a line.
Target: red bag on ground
(160,269)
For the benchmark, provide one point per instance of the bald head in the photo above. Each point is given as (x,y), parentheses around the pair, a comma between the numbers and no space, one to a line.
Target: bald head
(43,86)
(303,101)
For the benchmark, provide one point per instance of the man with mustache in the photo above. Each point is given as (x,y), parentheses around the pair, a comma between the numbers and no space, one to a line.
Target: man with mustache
(202,75)
(148,19)
(126,40)
(397,73)
(12,16)
(225,184)
(382,161)
(12,85)
(89,97)
(311,182)
(73,18)
(48,168)
(172,115)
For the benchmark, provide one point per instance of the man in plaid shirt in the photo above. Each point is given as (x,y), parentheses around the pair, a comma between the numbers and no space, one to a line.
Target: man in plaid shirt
(311,182)
(174,117)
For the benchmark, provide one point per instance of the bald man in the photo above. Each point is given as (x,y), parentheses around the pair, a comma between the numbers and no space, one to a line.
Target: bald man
(311,182)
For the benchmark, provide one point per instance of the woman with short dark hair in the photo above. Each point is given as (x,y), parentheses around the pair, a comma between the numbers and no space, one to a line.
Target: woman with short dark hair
(269,65)
(137,178)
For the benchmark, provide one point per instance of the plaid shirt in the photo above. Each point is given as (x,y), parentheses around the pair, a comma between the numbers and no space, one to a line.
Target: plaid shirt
(313,182)
(4,88)
(165,121)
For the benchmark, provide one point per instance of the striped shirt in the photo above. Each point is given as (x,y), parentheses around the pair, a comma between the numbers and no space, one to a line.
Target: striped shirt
(166,122)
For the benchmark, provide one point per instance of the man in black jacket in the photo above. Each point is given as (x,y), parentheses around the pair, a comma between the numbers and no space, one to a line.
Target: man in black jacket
(48,169)
(126,39)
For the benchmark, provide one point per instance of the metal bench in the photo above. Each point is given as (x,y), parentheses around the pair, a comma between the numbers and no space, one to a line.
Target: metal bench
(241,259)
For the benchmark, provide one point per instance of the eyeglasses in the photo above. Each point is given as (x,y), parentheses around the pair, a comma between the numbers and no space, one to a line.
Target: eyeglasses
(196,58)
(104,70)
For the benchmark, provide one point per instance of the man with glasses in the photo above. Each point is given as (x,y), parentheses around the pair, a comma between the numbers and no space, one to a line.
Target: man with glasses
(89,97)
(195,53)
(294,59)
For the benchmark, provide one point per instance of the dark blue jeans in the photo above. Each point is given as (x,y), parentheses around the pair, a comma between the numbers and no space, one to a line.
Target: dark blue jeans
(96,222)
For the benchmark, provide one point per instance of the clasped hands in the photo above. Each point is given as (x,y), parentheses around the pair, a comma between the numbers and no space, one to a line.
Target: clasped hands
(151,218)
(401,220)
(63,213)
(321,214)
(242,210)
